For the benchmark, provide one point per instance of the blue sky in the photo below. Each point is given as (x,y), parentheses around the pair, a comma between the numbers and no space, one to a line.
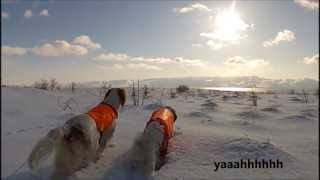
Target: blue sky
(106,40)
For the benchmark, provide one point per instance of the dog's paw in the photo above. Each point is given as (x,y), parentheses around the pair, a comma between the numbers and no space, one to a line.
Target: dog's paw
(97,157)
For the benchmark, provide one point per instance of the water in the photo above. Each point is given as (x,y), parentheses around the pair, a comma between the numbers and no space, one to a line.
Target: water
(234,89)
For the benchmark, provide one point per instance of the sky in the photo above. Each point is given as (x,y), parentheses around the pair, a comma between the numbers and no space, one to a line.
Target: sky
(110,40)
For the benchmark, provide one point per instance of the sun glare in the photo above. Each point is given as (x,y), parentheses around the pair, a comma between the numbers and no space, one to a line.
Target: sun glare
(229,25)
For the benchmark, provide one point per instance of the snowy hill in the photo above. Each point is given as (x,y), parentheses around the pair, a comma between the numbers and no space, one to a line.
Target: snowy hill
(210,129)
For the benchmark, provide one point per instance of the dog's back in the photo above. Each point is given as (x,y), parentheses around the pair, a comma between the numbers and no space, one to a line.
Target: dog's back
(75,145)
(81,140)
(139,162)
(79,147)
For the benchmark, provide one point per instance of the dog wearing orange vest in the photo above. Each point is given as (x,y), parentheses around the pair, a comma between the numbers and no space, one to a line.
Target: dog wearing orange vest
(149,150)
(81,140)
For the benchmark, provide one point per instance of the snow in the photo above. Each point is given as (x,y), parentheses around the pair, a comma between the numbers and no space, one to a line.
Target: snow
(209,129)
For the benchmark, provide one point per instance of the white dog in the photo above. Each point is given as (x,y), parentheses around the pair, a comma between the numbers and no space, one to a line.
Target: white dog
(81,140)
(149,150)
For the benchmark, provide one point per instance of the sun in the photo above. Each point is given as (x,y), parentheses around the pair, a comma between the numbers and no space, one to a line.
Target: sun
(229,25)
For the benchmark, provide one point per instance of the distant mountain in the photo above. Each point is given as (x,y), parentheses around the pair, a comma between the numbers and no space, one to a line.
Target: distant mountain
(197,82)
(113,83)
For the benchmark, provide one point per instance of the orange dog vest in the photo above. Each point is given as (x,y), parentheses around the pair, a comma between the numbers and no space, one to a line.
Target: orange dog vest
(103,115)
(166,118)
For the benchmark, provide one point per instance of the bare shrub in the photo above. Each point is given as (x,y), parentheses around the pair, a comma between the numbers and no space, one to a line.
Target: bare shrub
(73,87)
(236,94)
(53,84)
(225,97)
(172,94)
(103,88)
(133,95)
(305,96)
(182,88)
(145,94)
(254,96)
(42,84)
(292,91)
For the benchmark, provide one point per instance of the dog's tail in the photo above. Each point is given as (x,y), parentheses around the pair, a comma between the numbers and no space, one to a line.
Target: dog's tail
(45,146)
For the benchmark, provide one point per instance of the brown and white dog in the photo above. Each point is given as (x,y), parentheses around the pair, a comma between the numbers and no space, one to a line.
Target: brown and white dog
(149,150)
(81,139)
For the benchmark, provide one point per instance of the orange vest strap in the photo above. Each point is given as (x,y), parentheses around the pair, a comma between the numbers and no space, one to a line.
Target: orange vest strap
(166,118)
(103,115)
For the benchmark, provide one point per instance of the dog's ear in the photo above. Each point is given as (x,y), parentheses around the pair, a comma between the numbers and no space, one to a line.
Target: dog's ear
(173,112)
(107,94)
(122,95)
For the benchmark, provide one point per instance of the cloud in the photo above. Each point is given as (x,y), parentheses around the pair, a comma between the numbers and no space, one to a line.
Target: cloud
(247,63)
(85,40)
(282,36)
(143,66)
(311,60)
(146,62)
(197,45)
(130,66)
(79,47)
(28,13)
(189,62)
(44,12)
(112,57)
(118,66)
(59,48)
(4,15)
(215,45)
(13,51)
(152,60)
(165,60)
(309,4)
(115,66)
(192,7)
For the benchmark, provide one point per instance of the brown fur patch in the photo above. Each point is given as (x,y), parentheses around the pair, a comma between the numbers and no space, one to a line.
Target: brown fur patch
(121,93)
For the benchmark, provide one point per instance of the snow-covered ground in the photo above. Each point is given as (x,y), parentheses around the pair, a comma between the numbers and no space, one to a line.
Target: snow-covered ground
(209,129)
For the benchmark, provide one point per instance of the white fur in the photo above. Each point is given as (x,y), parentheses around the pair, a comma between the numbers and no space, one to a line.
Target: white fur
(143,157)
(71,156)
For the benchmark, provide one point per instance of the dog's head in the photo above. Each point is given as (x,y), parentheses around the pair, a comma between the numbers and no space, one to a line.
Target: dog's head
(120,92)
(173,112)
